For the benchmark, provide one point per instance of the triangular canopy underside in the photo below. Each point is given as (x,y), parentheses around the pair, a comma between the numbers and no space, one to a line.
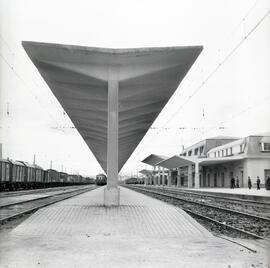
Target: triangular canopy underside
(78,77)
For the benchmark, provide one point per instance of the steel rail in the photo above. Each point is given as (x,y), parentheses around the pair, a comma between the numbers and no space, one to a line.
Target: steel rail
(211,206)
(202,216)
(33,209)
(207,194)
(35,191)
(65,191)
(223,224)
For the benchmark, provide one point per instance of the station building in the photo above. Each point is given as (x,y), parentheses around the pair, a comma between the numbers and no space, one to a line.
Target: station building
(214,162)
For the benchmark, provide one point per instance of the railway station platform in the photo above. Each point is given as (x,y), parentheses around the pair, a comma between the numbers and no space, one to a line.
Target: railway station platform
(141,232)
(261,195)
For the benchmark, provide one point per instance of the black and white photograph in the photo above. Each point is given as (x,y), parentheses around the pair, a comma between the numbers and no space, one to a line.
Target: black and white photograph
(134,134)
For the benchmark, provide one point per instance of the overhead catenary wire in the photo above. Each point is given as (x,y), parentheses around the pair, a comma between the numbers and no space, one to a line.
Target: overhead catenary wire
(35,97)
(59,127)
(242,21)
(7,45)
(212,73)
(14,71)
(259,104)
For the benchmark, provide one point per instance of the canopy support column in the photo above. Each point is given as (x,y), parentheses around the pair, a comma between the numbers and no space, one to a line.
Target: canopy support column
(163,176)
(145,180)
(178,177)
(169,178)
(197,176)
(112,191)
(190,176)
(159,176)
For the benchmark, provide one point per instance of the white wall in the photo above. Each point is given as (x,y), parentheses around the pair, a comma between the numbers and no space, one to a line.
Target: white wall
(256,167)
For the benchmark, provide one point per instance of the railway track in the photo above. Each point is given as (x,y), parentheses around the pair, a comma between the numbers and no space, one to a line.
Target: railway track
(37,191)
(14,210)
(246,207)
(236,223)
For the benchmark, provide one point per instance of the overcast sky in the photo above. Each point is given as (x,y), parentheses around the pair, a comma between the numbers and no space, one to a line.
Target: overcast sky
(232,96)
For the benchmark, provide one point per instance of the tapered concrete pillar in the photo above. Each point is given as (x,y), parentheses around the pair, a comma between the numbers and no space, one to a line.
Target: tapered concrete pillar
(155,180)
(178,177)
(190,176)
(154,175)
(145,180)
(169,181)
(159,176)
(112,192)
(163,177)
(197,176)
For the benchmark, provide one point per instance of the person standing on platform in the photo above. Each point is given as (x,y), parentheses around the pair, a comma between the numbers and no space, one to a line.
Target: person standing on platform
(232,183)
(237,182)
(258,183)
(249,183)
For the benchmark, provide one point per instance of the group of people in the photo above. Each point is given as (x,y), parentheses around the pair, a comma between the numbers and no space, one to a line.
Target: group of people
(258,182)
(235,183)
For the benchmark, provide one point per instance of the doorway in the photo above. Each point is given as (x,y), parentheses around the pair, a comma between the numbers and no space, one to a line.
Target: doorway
(241,182)
(222,179)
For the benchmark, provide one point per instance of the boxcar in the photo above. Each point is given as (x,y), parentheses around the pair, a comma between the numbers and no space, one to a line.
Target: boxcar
(5,174)
(29,175)
(73,179)
(63,177)
(39,174)
(53,177)
(17,174)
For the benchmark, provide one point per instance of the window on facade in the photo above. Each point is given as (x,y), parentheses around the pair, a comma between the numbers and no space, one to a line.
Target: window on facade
(266,146)
(184,154)
(189,153)
(222,153)
(226,151)
(242,148)
(196,151)
(230,150)
(201,149)
(218,153)
(215,154)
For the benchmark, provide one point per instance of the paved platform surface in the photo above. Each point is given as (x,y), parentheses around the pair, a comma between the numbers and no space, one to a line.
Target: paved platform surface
(141,232)
(25,196)
(242,193)
(246,191)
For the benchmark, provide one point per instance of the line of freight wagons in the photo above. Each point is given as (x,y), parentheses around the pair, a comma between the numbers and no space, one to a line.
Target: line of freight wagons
(16,175)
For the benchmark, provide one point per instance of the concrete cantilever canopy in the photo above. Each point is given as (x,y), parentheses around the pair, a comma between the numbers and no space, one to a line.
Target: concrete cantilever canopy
(176,161)
(154,159)
(146,172)
(112,95)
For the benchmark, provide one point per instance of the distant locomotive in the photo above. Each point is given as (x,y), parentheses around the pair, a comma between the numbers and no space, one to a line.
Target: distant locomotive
(134,181)
(101,180)
(16,175)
